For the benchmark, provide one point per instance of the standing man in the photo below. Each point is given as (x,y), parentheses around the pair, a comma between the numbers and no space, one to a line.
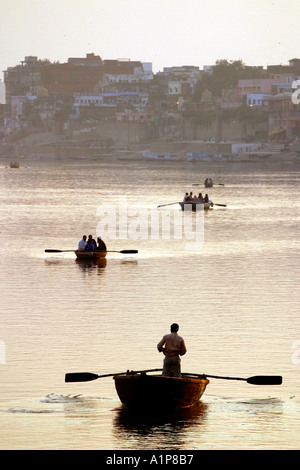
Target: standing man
(172,345)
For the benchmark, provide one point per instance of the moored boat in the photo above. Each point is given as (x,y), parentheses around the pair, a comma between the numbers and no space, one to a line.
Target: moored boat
(91,255)
(196,205)
(140,390)
(14,165)
(162,156)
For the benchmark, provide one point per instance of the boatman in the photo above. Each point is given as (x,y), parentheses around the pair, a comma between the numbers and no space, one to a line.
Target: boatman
(101,245)
(173,346)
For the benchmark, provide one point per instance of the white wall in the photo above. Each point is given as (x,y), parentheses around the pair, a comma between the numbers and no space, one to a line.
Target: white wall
(2,92)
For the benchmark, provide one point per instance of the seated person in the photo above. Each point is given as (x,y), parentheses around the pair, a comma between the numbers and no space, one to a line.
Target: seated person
(90,246)
(101,245)
(82,243)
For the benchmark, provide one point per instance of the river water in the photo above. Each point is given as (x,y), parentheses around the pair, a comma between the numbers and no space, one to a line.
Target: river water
(234,291)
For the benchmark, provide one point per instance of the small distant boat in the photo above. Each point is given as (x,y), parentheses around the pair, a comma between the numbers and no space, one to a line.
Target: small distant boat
(91,255)
(196,205)
(162,156)
(140,390)
(14,165)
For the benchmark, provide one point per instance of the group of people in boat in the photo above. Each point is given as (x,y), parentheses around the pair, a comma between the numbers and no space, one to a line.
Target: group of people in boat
(189,197)
(89,244)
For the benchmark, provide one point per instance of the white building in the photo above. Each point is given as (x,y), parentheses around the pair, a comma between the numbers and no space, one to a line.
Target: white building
(2,92)
(142,74)
(257,99)
(174,87)
(123,99)
(17,103)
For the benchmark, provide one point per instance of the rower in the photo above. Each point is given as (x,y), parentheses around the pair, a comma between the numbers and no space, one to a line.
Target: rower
(172,345)
(101,245)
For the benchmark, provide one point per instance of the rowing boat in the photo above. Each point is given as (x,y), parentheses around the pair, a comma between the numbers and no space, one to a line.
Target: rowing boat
(91,255)
(14,165)
(140,390)
(196,205)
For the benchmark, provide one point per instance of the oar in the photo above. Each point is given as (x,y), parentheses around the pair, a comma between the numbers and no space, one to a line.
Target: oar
(170,204)
(215,184)
(221,205)
(110,251)
(57,251)
(124,252)
(255,380)
(88,376)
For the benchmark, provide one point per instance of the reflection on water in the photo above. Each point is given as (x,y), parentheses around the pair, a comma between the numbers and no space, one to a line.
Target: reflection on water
(167,430)
(236,301)
(86,265)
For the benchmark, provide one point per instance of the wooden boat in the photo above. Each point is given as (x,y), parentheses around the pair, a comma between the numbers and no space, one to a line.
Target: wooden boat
(140,390)
(91,255)
(14,165)
(162,156)
(196,205)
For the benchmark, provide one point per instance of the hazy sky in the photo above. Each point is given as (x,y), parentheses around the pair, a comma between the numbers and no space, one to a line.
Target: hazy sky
(164,32)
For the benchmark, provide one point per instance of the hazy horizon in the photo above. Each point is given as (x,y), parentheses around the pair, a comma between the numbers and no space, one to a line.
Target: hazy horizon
(165,33)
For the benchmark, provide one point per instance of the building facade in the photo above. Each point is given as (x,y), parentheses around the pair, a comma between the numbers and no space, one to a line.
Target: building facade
(284,117)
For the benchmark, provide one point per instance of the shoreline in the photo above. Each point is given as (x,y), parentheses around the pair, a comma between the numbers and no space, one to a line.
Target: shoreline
(115,157)
(49,147)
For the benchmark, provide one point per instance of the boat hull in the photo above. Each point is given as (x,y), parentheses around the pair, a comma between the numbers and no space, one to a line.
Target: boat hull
(194,206)
(157,391)
(14,165)
(91,255)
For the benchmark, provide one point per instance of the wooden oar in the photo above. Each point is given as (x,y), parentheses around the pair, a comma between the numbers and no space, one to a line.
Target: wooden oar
(170,204)
(57,251)
(88,376)
(124,252)
(215,184)
(255,380)
(109,251)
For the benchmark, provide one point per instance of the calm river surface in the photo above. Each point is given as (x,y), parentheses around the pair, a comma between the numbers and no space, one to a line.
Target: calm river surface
(235,297)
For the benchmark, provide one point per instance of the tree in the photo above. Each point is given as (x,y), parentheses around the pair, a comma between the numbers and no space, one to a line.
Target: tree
(225,75)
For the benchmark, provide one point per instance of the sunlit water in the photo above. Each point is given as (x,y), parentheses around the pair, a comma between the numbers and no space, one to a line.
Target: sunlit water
(236,299)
